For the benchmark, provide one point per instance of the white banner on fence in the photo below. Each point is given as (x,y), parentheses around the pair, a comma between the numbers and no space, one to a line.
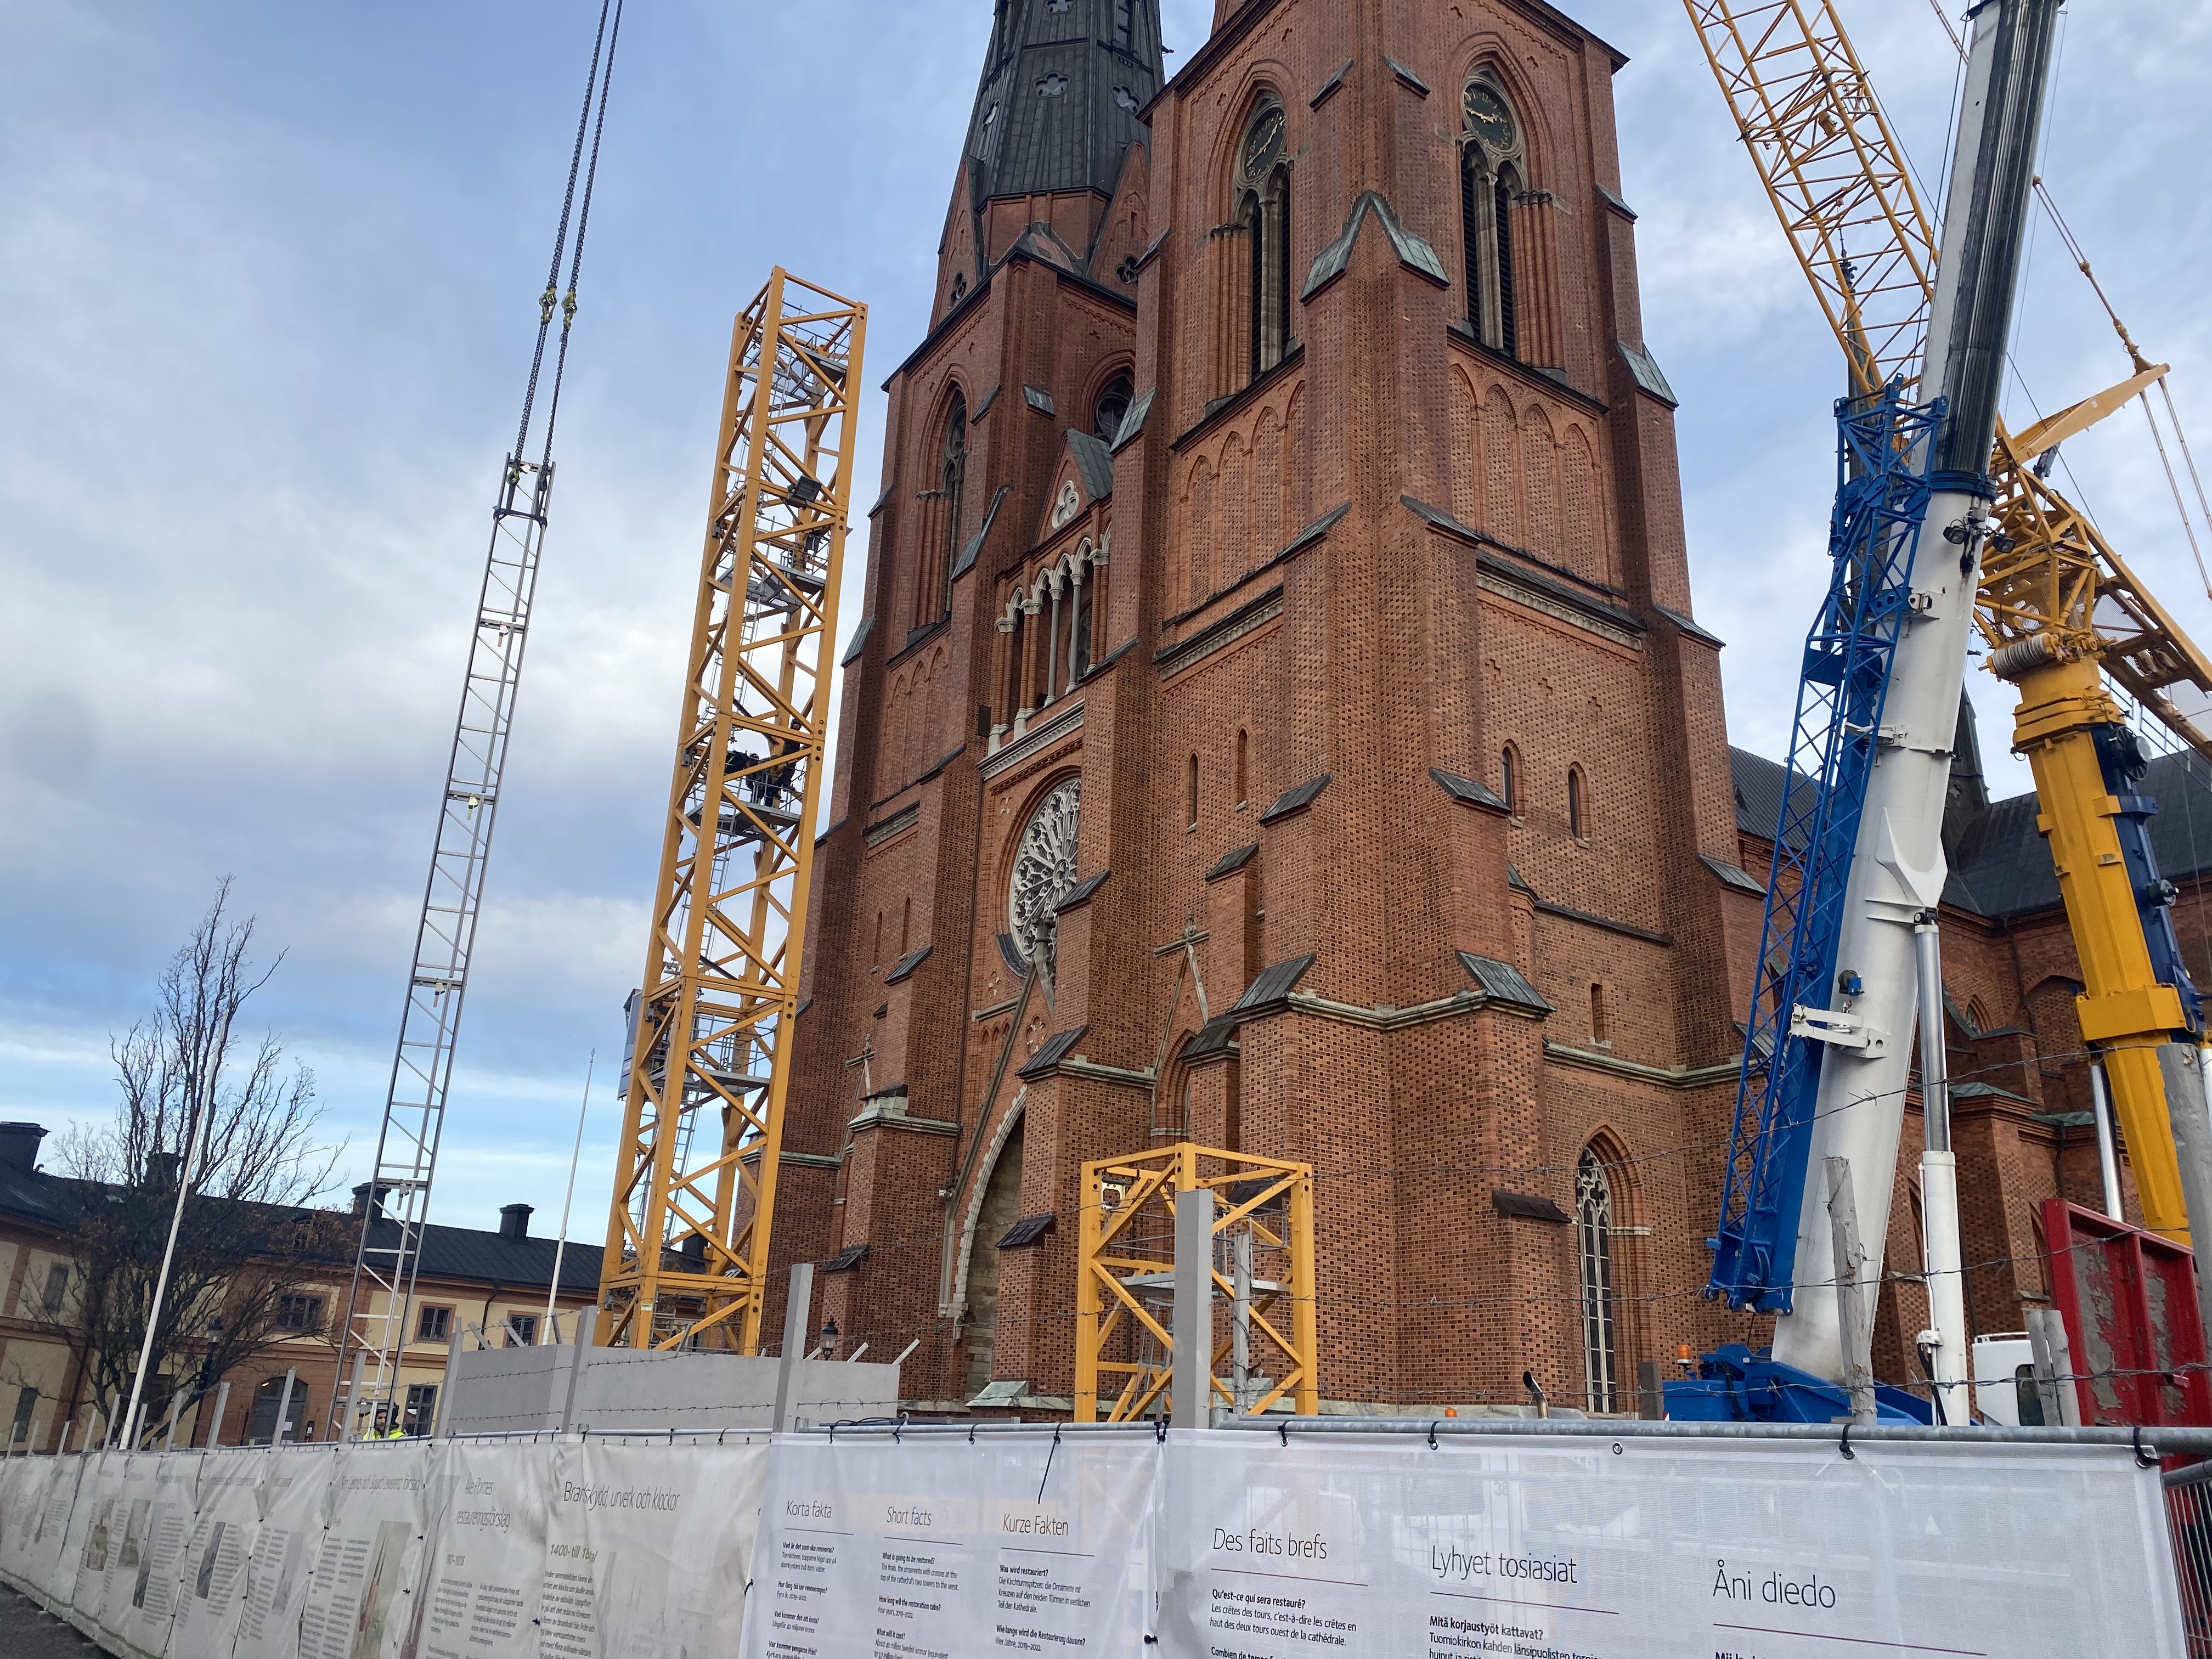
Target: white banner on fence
(598,1551)
(212,1586)
(931,1546)
(1657,1549)
(362,1596)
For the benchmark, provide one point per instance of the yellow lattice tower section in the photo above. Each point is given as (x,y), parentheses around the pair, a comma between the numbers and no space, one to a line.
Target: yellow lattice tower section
(1263,1279)
(703,1124)
(2059,609)
(1833,171)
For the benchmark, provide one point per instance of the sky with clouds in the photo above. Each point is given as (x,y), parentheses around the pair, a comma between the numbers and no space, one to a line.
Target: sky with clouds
(269,272)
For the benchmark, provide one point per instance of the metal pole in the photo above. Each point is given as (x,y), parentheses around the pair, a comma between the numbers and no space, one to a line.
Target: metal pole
(349,1423)
(176,1410)
(2108,1158)
(797,1308)
(1240,1324)
(577,1364)
(576,1153)
(1192,1393)
(214,1422)
(283,1410)
(1943,1344)
(61,1448)
(451,1380)
(193,1144)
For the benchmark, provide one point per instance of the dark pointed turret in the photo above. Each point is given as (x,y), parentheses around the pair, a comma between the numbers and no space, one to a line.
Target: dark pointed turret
(1056,111)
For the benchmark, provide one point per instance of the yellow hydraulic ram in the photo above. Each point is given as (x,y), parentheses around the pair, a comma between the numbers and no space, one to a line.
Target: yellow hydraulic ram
(2063,612)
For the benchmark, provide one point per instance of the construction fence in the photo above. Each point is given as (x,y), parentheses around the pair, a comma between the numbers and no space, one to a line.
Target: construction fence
(1429,1540)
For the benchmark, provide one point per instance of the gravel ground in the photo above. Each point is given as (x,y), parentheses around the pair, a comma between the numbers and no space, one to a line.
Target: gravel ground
(27,1633)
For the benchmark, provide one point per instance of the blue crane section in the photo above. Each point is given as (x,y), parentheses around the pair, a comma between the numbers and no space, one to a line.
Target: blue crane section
(1883,459)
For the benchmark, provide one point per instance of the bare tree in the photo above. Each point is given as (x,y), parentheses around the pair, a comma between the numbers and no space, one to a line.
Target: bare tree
(251,1243)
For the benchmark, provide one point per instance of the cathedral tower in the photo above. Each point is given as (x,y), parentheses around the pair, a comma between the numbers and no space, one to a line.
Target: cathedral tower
(1278,718)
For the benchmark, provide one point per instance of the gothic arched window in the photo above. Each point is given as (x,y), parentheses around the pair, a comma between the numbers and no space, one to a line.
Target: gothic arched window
(1509,773)
(1263,218)
(1493,170)
(1594,1225)
(935,597)
(1113,405)
(1577,804)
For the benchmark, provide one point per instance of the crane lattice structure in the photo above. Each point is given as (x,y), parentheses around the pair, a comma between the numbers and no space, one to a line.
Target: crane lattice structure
(379,1300)
(2059,609)
(703,1130)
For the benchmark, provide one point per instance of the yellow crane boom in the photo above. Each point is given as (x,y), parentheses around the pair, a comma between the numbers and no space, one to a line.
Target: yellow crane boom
(2058,608)
(687,1252)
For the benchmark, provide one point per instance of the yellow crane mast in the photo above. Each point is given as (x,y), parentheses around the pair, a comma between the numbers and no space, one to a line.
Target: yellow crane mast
(687,1250)
(2058,608)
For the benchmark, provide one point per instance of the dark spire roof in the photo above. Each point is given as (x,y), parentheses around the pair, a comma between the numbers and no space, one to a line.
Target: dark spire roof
(1062,84)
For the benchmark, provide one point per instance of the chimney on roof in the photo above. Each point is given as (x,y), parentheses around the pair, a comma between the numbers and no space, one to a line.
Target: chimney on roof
(368,1200)
(162,1171)
(514,1222)
(19,1147)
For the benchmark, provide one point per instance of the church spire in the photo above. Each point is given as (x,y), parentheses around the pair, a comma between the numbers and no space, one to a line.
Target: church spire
(1062,86)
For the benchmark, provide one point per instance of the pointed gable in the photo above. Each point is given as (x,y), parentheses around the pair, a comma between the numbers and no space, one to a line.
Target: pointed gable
(1084,478)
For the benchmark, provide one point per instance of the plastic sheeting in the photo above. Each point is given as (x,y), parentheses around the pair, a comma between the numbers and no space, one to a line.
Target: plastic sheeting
(1203,1546)
(393,1549)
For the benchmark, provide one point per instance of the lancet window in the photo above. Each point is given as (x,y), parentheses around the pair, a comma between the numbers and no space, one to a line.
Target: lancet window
(1594,1228)
(1493,179)
(1263,218)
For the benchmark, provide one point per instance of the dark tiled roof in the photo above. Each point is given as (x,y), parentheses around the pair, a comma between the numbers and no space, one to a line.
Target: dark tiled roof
(1524,1204)
(1297,800)
(1058,107)
(1274,983)
(1096,463)
(907,963)
(466,1253)
(1233,860)
(1082,893)
(1471,791)
(1217,1037)
(1501,981)
(2000,866)
(1056,1049)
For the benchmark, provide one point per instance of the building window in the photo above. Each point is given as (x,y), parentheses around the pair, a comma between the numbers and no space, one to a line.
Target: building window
(1594,1245)
(1190,796)
(1079,639)
(1493,171)
(521,1330)
(434,1325)
(1263,218)
(27,1401)
(933,599)
(1112,408)
(1244,768)
(1508,774)
(1578,805)
(421,1408)
(57,1278)
(1600,1031)
(300,1313)
(268,1398)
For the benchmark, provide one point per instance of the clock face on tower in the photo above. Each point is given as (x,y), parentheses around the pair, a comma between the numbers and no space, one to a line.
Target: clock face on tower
(1264,144)
(1488,118)
(1044,870)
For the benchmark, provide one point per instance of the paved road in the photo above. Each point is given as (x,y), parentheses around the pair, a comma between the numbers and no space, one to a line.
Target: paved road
(27,1633)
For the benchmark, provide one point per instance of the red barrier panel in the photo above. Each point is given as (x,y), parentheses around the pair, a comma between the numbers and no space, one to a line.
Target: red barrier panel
(2129,1298)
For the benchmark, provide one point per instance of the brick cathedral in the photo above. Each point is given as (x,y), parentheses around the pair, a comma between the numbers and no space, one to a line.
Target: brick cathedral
(1278,720)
